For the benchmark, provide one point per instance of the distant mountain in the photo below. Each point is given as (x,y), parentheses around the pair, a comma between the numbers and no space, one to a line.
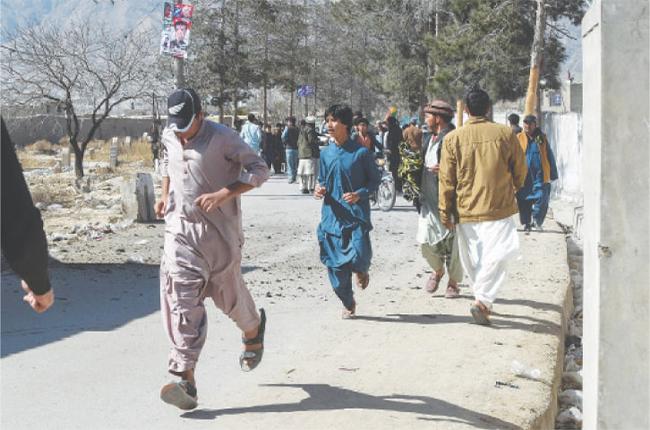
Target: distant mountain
(123,15)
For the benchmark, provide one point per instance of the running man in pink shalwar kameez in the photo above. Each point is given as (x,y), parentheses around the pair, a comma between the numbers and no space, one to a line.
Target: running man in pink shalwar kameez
(206,166)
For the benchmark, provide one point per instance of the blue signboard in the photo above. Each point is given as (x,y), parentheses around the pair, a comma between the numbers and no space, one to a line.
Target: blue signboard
(305,91)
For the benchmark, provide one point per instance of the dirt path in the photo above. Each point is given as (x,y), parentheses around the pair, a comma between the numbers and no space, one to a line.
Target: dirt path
(97,359)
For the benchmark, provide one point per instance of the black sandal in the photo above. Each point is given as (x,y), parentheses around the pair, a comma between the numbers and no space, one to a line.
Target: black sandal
(248,360)
(180,394)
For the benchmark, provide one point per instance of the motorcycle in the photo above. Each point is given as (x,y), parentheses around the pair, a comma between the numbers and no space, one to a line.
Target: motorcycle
(385,195)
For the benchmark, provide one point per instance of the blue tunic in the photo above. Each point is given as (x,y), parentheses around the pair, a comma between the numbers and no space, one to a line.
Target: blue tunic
(343,233)
(533,187)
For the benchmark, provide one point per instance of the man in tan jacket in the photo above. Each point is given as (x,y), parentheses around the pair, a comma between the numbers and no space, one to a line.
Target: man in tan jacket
(481,167)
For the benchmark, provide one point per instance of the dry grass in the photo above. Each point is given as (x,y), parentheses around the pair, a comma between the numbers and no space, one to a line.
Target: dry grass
(140,151)
(42,147)
(53,189)
(60,188)
(30,160)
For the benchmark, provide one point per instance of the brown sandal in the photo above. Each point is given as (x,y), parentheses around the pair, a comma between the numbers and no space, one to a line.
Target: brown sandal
(363,280)
(349,314)
(452,291)
(434,282)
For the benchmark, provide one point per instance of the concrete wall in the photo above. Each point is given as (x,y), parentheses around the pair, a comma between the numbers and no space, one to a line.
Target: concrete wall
(616,162)
(27,130)
(570,96)
(564,133)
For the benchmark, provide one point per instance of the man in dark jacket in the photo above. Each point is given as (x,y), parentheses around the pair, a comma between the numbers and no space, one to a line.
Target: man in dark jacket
(392,149)
(290,139)
(23,240)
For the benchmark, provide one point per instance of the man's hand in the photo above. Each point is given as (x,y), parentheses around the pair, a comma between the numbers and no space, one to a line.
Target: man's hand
(319,192)
(448,224)
(209,201)
(159,207)
(435,169)
(38,303)
(351,198)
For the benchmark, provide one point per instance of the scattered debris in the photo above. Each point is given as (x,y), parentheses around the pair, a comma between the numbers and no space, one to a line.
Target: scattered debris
(518,369)
(500,384)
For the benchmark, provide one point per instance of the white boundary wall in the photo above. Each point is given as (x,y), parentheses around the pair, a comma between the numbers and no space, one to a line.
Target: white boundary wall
(564,133)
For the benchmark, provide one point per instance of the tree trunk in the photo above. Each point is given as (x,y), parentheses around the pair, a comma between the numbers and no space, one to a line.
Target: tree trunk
(266,76)
(78,161)
(291,102)
(536,59)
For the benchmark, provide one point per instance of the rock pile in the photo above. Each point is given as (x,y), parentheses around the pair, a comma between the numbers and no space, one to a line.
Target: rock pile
(570,399)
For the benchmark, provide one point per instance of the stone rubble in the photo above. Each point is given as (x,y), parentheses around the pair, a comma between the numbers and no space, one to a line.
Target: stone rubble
(570,399)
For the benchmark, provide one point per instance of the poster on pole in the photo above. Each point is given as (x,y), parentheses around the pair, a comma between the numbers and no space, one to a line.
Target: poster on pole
(305,90)
(177,23)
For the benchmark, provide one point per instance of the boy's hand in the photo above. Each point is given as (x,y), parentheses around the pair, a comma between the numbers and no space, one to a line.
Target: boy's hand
(319,192)
(351,198)
(209,201)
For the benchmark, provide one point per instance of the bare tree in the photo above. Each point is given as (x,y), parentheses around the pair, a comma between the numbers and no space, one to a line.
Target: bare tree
(84,69)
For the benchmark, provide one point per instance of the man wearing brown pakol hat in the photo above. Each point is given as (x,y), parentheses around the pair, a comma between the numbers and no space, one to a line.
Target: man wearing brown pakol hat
(438,244)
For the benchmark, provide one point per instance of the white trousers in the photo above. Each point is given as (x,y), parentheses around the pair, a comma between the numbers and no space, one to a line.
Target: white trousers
(485,249)
(307,170)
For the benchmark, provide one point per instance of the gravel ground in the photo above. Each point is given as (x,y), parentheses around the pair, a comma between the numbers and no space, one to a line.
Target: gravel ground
(412,360)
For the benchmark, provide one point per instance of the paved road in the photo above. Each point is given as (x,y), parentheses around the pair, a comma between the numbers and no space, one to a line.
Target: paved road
(97,359)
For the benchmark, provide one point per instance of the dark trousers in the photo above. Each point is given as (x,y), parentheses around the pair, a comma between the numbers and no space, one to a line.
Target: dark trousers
(534,208)
(341,280)
(277,165)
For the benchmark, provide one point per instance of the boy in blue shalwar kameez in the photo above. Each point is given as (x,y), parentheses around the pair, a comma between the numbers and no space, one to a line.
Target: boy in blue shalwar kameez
(347,177)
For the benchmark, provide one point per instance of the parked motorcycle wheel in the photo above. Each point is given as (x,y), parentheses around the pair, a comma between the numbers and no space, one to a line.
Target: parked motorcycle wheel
(386,195)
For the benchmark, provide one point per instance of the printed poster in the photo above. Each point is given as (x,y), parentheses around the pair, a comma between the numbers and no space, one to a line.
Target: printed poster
(177,23)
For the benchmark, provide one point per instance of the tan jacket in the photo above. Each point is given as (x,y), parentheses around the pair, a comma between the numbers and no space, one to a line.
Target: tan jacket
(481,164)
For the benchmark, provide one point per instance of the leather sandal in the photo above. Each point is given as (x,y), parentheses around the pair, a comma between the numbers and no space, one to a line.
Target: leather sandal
(452,291)
(363,280)
(349,314)
(248,360)
(480,313)
(180,394)
(434,282)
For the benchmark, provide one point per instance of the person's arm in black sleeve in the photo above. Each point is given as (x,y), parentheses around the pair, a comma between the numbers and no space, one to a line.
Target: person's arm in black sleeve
(23,240)
(375,145)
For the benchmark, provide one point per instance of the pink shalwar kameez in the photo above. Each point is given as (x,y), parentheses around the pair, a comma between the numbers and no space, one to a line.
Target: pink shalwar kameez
(202,254)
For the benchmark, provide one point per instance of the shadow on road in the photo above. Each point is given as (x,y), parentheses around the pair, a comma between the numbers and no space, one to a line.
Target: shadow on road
(324,397)
(88,297)
(499,321)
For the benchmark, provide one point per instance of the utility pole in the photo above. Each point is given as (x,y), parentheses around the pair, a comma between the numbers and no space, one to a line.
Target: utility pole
(179,66)
(536,60)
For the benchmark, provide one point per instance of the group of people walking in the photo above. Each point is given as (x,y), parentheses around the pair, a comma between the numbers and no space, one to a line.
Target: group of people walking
(291,149)
(472,180)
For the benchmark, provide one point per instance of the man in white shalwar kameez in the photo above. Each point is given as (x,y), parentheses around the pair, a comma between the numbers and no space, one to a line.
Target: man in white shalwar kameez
(206,167)
(439,246)
(481,167)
